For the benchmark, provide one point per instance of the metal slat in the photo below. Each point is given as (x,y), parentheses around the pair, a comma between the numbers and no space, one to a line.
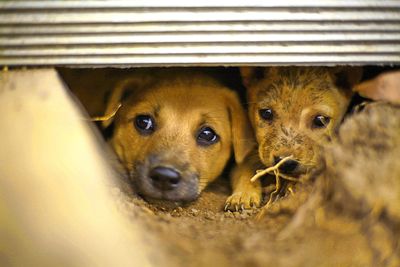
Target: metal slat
(196,38)
(124,16)
(198,27)
(51,4)
(212,60)
(191,48)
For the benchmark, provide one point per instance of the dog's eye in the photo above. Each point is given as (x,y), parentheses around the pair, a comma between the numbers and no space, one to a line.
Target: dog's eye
(320,121)
(207,136)
(144,124)
(266,114)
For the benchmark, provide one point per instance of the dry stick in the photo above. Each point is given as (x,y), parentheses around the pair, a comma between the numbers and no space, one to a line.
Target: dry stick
(289,178)
(274,168)
(278,175)
(107,116)
(277,188)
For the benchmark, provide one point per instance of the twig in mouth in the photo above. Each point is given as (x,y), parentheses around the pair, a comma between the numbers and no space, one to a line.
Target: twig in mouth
(274,168)
(278,176)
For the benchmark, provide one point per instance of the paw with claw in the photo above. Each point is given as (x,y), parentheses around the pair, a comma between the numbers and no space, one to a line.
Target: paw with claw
(240,201)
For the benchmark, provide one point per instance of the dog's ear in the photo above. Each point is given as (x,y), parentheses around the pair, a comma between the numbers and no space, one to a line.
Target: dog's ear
(122,90)
(242,134)
(252,74)
(117,95)
(346,78)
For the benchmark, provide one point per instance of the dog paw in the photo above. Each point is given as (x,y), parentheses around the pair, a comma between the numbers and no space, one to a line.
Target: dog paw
(240,201)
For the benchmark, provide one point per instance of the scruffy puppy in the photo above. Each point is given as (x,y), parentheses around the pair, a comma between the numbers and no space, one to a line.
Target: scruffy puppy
(293,110)
(175,131)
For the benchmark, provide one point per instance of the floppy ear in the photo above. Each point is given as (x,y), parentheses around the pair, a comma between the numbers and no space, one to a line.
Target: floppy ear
(121,91)
(346,78)
(242,134)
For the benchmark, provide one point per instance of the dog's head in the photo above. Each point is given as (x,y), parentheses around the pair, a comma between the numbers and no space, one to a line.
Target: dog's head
(294,110)
(174,132)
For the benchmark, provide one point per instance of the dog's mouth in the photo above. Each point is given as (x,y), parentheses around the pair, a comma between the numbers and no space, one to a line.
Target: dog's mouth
(165,182)
(293,168)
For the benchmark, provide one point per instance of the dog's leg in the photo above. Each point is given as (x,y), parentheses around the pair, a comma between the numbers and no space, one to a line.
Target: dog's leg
(246,194)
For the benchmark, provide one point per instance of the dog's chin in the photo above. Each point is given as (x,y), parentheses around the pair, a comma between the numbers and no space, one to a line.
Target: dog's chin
(186,191)
(167,198)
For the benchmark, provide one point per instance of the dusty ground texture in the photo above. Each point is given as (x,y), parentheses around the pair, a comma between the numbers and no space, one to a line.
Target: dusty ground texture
(346,214)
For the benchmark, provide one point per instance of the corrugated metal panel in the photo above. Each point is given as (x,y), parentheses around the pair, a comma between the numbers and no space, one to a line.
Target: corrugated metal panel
(144,33)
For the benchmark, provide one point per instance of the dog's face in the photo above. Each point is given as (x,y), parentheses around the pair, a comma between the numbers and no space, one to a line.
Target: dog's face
(294,110)
(175,135)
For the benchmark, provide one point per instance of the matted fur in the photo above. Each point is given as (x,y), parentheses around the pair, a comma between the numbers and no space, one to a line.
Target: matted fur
(296,95)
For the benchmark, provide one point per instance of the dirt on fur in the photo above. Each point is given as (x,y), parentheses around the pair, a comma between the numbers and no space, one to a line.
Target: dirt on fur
(346,214)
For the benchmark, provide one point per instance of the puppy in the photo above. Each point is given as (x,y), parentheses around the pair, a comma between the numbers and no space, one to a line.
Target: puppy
(293,110)
(175,131)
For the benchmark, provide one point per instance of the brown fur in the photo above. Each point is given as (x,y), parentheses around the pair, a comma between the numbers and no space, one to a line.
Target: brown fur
(296,96)
(181,102)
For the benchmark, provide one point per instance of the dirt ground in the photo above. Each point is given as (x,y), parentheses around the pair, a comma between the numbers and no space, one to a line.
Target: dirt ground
(325,223)
(201,234)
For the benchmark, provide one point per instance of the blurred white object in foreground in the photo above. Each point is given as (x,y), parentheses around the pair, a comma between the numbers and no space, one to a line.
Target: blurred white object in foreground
(55,209)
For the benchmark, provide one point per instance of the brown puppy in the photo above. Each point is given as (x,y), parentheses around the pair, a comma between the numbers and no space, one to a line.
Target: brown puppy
(293,110)
(175,131)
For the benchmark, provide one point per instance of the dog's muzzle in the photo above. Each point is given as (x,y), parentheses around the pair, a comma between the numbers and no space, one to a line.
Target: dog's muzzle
(288,166)
(157,180)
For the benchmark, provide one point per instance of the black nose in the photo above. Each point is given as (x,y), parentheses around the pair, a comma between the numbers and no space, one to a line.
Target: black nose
(288,166)
(165,178)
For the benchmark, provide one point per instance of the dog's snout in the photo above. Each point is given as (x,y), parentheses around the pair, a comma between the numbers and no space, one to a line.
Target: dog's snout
(288,166)
(165,178)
